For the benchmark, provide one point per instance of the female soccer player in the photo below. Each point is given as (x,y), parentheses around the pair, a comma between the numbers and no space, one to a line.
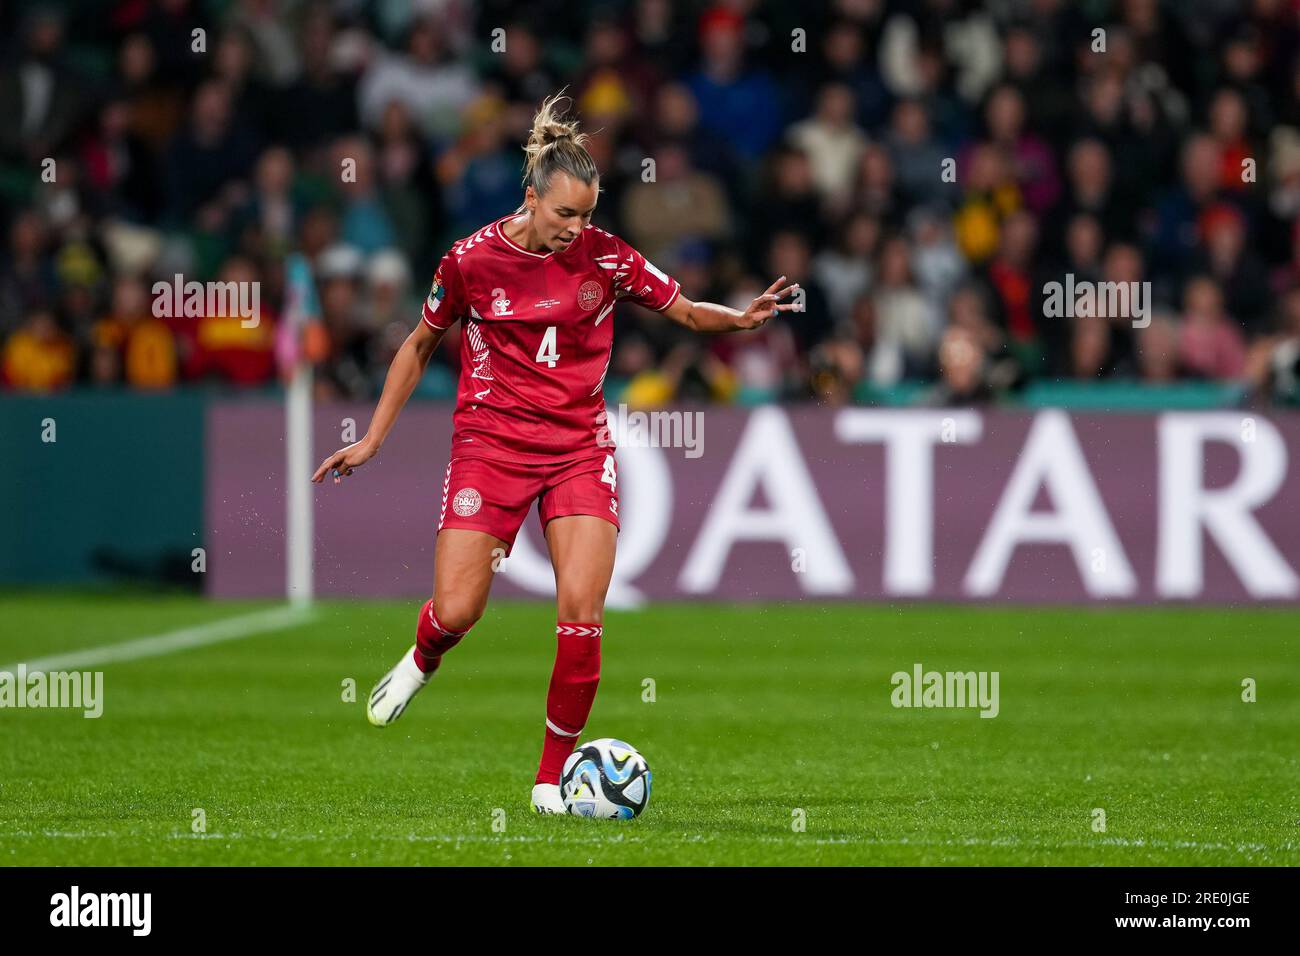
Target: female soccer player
(535,290)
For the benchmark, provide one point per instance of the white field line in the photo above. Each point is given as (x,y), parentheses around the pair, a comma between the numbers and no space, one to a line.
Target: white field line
(662,839)
(200,635)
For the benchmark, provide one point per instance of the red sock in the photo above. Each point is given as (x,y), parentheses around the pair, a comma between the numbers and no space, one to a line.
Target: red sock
(432,640)
(573,688)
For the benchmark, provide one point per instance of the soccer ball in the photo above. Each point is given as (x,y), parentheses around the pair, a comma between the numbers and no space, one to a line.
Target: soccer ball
(605,778)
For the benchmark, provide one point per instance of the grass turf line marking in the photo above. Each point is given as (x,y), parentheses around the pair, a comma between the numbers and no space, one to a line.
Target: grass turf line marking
(650,841)
(200,635)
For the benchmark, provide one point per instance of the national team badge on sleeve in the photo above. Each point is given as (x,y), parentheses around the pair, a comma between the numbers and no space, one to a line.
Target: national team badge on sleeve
(436,292)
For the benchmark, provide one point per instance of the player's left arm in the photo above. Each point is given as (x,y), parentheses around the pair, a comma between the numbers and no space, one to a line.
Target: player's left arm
(711,317)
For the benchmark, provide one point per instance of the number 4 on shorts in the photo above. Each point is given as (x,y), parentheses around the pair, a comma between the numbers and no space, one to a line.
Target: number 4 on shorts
(608,477)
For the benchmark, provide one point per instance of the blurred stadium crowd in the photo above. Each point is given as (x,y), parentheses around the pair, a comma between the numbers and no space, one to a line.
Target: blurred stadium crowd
(823,164)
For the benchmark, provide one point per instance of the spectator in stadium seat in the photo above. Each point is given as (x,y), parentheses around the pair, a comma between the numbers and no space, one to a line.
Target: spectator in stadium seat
(131,344)
(480,170)
(121,174)
(39,357)
(1242,60)
(962,34)
(410,190)
(1158,36)
(318,230)
(342,372)
(737,102)
(1090,354)
(1108,116)
(789,202)
(844,269)
(1288,86)
(41,99)
(990,195)
(789,255)
(613,68)
(435,87)
(937,263)
(364,222)
(836,367)
(521,72)
(847,59)
(1210,345)
(320,105)
(1090,190)
(681,203)
(1275,225)
(961,370)
(833,143)
(225,347)
(387,286)
(1225,256)
(918,157)
(1084,245)
(1048,103)
(1274,363)
(234,63)
(675,118)
(1287,276)
(1029,159)
(906,326)
(862,320)
(1124,263)
(951,117)
(968,309)
(1157,350)
(1229,125)
(270,36)
(1174,230)
(1015,284)
(876,190)
(27,278)
(156,102)
(387,310)
(211,151)
(268,222)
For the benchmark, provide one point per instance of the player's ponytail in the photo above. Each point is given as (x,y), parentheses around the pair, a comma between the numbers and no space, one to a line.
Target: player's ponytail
(556,145)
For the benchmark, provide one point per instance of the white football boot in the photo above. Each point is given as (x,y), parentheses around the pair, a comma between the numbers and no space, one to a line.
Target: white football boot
(395,690)
(546,799)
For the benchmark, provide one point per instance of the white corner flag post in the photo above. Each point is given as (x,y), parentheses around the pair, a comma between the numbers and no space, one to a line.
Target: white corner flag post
(300,308)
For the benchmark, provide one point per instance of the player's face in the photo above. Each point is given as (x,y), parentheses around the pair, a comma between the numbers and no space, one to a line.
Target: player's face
(560,216)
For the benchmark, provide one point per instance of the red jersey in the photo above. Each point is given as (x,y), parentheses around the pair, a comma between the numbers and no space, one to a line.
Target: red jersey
(537,338)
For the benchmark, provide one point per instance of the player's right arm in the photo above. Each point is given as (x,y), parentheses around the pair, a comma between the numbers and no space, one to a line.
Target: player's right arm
(447,301)
(403,375)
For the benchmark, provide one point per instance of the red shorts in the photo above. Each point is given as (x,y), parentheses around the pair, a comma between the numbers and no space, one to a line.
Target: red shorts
(479,494)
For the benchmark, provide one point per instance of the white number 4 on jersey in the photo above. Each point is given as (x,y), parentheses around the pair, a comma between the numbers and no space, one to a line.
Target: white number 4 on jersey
(546,352)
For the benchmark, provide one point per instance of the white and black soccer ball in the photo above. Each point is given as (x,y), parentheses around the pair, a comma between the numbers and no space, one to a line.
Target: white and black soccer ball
(605,778)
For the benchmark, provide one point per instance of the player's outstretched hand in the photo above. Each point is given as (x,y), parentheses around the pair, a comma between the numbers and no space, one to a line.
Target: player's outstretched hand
(341,463)
(766,305)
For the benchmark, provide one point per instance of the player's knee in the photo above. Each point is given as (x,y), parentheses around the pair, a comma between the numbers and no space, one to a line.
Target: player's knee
(580,611)
(457,615)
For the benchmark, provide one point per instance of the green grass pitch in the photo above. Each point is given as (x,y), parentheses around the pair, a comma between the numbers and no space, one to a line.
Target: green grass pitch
(759,712)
